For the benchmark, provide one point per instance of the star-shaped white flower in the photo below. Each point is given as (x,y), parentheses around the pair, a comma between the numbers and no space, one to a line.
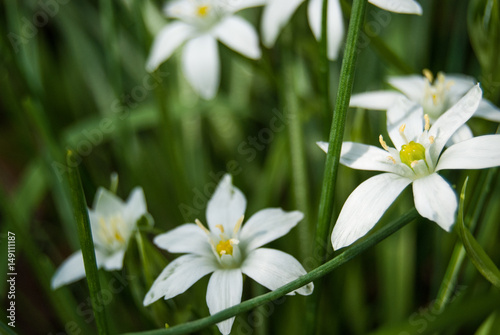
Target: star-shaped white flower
(278,12)
(199,24)
(435,95)
(112,223)
(416,159)
(229,250)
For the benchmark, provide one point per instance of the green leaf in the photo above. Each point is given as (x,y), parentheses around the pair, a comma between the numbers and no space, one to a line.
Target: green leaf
(477,255)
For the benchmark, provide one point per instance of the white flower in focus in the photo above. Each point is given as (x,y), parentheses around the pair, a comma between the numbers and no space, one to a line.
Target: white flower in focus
(416,159)
(229,250)
(435,95)
(112,223)
(277,13)
(199,24)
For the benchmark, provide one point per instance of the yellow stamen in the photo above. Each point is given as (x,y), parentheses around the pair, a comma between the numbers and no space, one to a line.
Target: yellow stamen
(382,143)
(402,132)
(221,228)
(202,11)
(428,74)
(238,224)
(199,224)
(431,139)
(391,159)
(427,122)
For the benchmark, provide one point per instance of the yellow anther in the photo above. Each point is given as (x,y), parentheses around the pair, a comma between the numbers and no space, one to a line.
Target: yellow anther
(431,139)
(391,159)
(199,224)
(119,237)
(221,228)
(202,11)
(413,164)
(427,122)
(435,99)
(382,143)
(428,74)
(402,132)
(238,224)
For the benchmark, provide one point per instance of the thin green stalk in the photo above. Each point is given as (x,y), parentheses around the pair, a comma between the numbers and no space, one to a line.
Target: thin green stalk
(87,244)
(450,278)
(6,330)
(317,273)
(337,127)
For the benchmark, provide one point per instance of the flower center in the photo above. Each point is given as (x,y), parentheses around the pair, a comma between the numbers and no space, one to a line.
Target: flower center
(435,99)
(112,231)
(411,153)
(202,10)
(224,247)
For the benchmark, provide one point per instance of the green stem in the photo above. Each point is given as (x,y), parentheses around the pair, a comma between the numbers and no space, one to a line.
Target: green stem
(87,244)
(450,278)
(317,273)
(337,127)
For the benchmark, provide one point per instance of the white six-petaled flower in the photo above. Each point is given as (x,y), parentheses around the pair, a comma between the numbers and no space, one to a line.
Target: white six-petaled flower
(199,24)
(416,159)
(435,95)
(278,12)
(228,249)
(112,223)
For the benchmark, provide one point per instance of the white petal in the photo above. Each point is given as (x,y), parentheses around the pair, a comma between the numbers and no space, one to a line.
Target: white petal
(267,225)
(335,28)
(188,238)
(276,15)
(477,153)
(412,86)
(399,6)
(462,134)
(365,206)
(323,146)
(107,203)
(224,290)
(487,111)
(239,35)
(274,268)
(367,157)
(226,206)
(111,262)
(165,43)
(178,276)
(406,112)
(200,63)
(435,200)
(448,123)
(458,84)
(135,207)
(377,100)
(71,270)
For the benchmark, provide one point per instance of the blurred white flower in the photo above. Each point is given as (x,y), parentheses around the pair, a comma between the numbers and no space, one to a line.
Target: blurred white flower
(199,24)
(435,95)
(228,250)
(416,162)
(277,13)
(112,223)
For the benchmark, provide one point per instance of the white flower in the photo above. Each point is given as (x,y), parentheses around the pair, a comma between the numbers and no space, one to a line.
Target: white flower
(416,162)
(278,12)
(228,250)
(112,223)
(435,95)
(199,24)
